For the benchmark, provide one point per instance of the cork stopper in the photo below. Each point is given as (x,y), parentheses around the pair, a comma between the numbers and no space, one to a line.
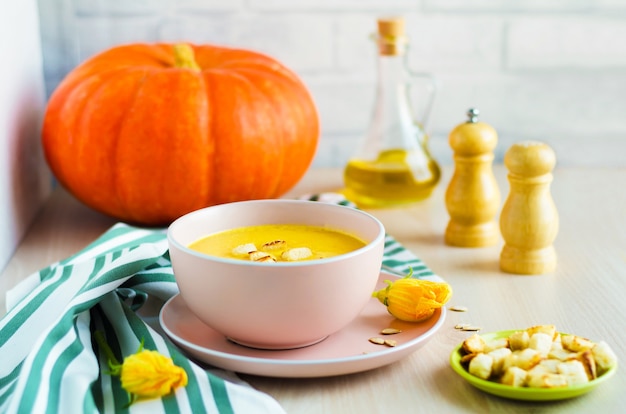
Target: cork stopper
(391,36)
(530,159)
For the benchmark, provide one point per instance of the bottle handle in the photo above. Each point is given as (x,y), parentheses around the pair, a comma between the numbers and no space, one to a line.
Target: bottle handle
(430,89)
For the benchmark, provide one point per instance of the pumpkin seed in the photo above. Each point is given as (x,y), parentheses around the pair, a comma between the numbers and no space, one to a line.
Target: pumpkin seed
(390,342)
(266,259)
(458,308)
(390,331)
(377,341)
(273,244)
(471,328)
(259,256)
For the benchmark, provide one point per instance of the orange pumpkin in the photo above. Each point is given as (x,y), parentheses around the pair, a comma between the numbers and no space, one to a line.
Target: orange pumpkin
(146,133)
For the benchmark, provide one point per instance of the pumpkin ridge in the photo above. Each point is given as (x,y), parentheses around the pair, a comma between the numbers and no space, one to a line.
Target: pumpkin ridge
(289,113)
(277,170)
(291,85)
(79,159)
(169,141)
(224,193)
(58,162)
(117,178)
(113,193)
(204,114)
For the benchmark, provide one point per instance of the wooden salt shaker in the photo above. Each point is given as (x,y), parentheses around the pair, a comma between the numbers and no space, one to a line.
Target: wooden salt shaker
(529,221)
(473,196)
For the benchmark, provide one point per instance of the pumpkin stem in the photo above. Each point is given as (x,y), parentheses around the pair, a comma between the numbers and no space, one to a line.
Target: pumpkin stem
(184,57)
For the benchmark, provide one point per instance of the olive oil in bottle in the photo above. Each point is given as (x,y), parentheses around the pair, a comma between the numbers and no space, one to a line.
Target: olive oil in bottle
(393,165)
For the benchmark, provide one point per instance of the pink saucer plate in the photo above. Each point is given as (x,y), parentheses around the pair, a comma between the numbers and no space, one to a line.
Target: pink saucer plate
(344,352)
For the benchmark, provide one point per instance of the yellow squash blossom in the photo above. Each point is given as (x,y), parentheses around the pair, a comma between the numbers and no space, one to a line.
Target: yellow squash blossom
(149,374)
(146,373)
(413,300)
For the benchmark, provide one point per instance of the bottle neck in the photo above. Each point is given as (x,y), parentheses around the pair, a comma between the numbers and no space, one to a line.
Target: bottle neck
(392,119)
(393,76)
(392,71)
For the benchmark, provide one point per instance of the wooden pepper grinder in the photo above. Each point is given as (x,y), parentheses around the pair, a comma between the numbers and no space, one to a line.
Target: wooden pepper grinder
(529,221)
(473,196)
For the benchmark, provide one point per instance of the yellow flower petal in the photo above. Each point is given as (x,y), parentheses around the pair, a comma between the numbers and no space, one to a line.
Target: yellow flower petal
(414,300)
(150,374)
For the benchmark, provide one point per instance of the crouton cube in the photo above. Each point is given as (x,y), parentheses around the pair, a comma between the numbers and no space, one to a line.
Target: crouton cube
(556,344)
(480,366)
(244,249)
(550,365)
(576,343)
(586,358)
(297,253)
(539,371)
(574,372)
(496,344)
(541,379)
(514,376)
(510,361)
(465,359)
(550,330)
(474,344)
(498,356)
(528,358)
(604,356)
(519,340)
(541,342)
(561,354)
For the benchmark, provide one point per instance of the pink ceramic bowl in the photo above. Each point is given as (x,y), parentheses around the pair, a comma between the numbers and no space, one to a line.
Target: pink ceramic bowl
(283,304)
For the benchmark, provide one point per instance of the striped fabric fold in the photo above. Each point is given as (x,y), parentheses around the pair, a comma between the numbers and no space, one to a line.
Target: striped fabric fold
(50,362)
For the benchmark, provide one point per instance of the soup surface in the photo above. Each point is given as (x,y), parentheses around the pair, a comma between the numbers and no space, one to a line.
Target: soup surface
(278,243)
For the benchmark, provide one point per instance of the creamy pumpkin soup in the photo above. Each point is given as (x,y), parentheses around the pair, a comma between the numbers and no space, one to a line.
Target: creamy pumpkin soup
(278,242)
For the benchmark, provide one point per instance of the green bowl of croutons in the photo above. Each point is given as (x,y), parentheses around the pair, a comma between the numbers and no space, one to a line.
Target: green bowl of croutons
(535,364)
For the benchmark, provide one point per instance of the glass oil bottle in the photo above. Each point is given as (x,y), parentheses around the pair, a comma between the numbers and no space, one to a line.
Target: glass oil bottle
(393,165)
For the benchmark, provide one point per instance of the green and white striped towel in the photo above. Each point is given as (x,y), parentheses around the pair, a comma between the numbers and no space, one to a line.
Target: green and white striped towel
(50,362)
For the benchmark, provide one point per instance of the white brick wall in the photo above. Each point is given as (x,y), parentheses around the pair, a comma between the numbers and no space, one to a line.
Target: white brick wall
(545,70)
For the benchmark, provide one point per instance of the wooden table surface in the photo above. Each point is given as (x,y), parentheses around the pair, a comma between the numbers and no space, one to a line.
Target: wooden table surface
(585,295)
